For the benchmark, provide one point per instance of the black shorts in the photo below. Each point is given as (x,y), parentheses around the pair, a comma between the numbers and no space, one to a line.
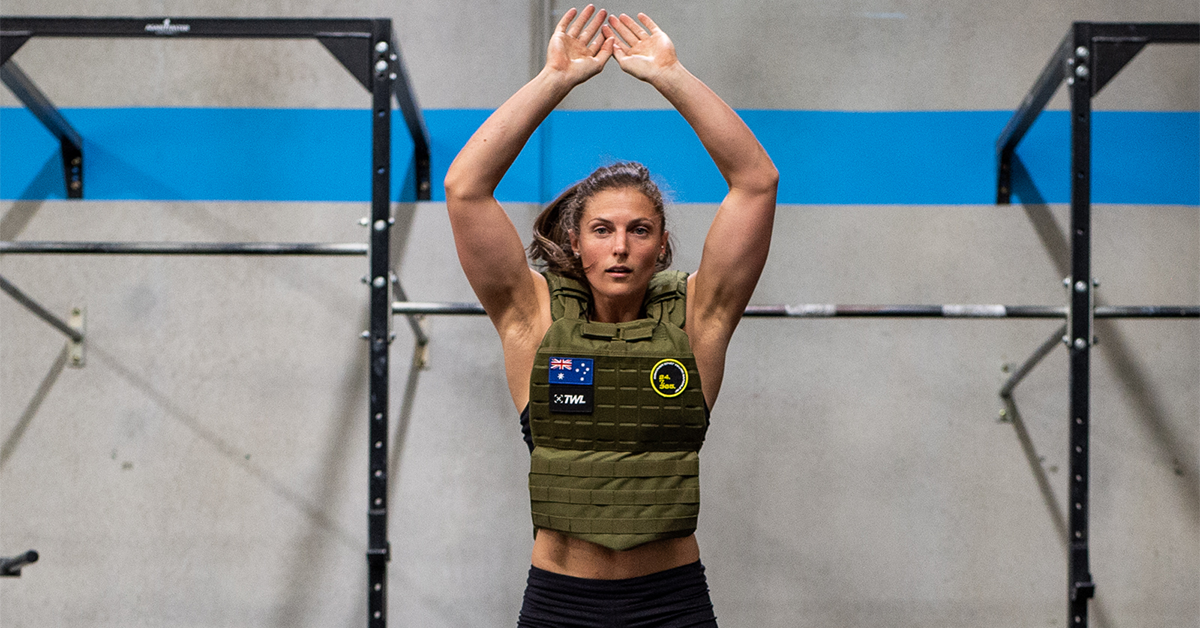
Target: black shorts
(675,598)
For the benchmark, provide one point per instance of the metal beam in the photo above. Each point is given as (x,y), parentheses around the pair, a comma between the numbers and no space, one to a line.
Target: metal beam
(39,105)
(1031,107)
(1080,586)
(353,42)
(182,248)
(1039,354)
(1107,48)
(41,312)
(406,99)
(829,310)
(384,68)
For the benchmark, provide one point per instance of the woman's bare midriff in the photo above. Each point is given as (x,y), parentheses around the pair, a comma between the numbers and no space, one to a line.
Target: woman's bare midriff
(569,556)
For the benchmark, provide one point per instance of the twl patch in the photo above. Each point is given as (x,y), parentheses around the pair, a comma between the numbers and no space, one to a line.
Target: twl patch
(669,378)
(571,399)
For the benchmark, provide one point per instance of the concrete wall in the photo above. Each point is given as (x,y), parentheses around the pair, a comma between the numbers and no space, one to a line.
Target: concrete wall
(207,466)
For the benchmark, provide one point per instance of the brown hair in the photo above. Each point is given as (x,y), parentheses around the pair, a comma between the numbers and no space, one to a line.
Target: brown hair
(551,245)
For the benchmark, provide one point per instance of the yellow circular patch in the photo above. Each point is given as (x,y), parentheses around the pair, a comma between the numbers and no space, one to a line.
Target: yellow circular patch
(669,378)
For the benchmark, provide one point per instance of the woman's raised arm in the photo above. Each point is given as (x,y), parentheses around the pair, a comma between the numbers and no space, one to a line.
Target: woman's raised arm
(489,248)
(735,249)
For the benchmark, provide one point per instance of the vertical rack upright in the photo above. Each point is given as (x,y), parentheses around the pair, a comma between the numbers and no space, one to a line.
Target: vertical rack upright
(365,47)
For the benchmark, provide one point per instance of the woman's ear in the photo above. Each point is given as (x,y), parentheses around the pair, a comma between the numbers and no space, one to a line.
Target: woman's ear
(574,241)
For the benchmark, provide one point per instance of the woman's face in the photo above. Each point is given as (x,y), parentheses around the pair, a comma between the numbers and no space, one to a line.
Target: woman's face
(619,240)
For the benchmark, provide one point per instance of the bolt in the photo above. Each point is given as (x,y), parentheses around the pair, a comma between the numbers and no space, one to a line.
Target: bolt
(1081,71)
(392,76)
(1080,343)
(365,335)
(364,221)
(381,66)
(380,225)
(1081,52)
(381,282)
(1003,414)
(1080,286)
(393,56)
(381,47)
(1095,282)
(1070,80)
(391,221)
(1067,340)
(1066,281)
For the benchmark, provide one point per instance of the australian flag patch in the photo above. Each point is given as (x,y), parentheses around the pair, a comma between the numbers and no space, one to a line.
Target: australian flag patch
(571,390)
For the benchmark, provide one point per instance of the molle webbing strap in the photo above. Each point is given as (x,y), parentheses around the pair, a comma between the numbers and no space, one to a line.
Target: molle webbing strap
(602,497)
(622,527)
(614,469)
(635,331)
(628,414)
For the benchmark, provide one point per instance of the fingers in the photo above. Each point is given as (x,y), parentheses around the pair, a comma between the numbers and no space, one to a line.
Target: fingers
(628,29)
(606,50)
(596,45)
(577,25)
(566,19)
(645,19)
(589,31)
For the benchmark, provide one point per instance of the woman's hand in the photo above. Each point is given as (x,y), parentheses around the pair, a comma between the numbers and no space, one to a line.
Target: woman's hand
(575,52)
(641,53)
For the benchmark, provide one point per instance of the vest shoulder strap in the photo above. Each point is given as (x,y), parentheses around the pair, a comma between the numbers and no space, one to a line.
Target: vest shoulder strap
(666,298)
(568,297)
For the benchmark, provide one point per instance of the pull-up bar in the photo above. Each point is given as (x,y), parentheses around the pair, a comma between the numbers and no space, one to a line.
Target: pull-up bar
(184,248)
(828,310)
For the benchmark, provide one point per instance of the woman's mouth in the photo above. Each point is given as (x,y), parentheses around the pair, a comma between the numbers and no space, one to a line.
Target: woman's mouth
(619,271)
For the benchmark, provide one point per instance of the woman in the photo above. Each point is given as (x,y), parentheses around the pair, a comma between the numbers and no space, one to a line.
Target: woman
(604,353)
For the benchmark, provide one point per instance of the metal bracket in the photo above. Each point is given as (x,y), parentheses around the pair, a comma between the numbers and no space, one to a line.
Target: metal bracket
(11,567)
(78,322)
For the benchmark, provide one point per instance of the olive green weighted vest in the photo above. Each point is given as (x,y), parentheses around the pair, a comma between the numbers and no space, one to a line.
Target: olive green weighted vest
(617,417)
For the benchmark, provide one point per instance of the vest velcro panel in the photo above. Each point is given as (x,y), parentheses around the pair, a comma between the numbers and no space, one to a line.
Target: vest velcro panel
(617,499)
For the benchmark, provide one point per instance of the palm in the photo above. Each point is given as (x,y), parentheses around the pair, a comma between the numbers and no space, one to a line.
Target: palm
(574,50)
(568,55)
(644,53)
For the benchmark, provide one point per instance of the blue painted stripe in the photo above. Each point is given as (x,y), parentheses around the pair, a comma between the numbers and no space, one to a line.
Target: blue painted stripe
(905,158)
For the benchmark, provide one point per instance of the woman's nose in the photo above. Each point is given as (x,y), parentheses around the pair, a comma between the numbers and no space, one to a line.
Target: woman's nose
(619,244)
